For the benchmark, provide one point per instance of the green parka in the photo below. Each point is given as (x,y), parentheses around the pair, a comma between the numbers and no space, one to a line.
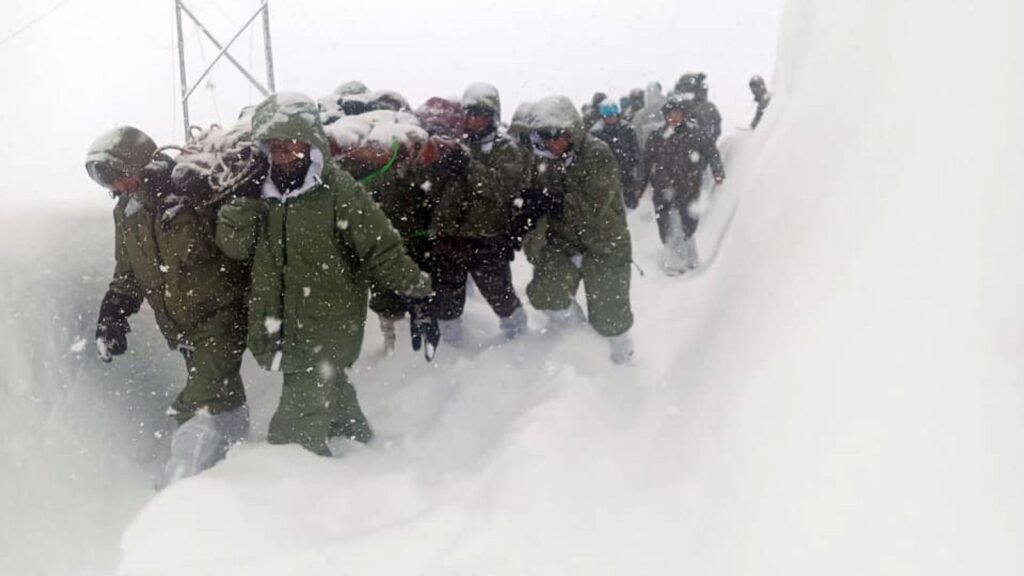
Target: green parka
(165,251)
(587,220)
(496,176)
(591,219)
(315,252)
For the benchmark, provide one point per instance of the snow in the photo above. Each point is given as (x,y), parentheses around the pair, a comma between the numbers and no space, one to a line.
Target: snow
(840,393)
(554,112)
(480,94)
(380,127)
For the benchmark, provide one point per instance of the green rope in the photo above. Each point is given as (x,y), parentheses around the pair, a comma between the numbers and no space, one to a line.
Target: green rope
(383,169)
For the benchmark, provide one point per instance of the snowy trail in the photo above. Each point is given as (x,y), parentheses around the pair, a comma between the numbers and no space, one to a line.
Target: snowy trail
(828,398)
(104,430)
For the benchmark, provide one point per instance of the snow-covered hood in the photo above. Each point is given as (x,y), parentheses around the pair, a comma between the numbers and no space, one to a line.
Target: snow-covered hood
(484,95)
(290,116)
(557,113)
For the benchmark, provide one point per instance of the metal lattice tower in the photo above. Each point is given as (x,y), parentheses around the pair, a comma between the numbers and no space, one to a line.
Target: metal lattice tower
(186,90)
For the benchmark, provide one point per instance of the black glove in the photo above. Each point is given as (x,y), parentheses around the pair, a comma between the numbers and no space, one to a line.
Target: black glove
(112,327)
(423,327)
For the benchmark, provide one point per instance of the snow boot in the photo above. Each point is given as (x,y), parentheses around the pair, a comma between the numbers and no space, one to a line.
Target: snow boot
(514,324)
(568,318)
(673,255)
(621,348)
(451,331)
(691,259)
(387,329)
(203,441)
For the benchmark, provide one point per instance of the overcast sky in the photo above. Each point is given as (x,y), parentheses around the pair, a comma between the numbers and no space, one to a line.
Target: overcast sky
(95,64)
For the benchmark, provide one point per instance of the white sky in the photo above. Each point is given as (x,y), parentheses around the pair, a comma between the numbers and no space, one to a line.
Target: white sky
(96,64)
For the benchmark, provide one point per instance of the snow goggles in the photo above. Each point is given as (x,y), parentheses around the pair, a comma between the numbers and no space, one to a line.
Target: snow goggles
(553,134)
(104,174)
(479,111)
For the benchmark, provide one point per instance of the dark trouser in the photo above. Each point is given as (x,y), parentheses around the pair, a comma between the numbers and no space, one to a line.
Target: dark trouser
(628,183)
(213,383)
(677,199)
(488,262)
(315,407)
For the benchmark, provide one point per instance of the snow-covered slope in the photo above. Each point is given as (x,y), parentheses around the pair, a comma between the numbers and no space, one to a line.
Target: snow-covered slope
(841,393)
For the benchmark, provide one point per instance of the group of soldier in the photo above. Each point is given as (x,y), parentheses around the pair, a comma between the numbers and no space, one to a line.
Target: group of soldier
(278,234)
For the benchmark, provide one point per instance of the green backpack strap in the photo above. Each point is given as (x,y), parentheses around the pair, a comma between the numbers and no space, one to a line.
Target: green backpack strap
(365,180)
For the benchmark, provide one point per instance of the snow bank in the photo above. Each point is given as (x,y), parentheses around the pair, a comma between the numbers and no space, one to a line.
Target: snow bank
(839,394)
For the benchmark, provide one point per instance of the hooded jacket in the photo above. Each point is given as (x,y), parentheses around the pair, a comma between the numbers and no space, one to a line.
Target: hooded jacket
(315,252)
(591,218)
(481,208)
(164,250)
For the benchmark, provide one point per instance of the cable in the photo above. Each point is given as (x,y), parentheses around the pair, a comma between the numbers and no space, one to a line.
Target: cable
(37,20)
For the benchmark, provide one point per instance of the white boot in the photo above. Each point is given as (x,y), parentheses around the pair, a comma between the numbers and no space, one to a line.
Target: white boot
(692,260)
(514,324)
(387,330)
(451,331)
(568,318)
(203,440)
(672,256)
(621,348)
(674,250)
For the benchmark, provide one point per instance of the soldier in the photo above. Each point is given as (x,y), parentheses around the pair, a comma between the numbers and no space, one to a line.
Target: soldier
(584,234)
(694,87)
(591,113)
(165,254)
(761,96)
(471,221)
(620,137)
(316,242)
(636,104)
(674,164)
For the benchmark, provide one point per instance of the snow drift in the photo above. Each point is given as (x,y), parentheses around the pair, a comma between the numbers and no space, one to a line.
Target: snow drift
(841,393)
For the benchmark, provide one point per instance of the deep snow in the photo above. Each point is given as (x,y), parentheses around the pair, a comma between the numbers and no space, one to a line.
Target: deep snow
(840,393)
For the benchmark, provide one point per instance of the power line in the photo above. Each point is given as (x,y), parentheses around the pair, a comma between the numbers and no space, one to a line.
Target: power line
(37,20)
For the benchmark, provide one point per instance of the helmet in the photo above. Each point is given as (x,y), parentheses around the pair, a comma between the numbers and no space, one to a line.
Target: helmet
(608,108)
(636,97)
(693,83)
(123,151)
(677,102)
(757,85)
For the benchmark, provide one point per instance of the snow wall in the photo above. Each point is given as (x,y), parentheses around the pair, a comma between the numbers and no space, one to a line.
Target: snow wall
(840,393)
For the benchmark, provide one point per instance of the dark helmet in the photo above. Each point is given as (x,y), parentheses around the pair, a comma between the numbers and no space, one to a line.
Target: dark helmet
(677,102)
(597,98)
(636,96)
(757,86)
(693,83)
(123,151)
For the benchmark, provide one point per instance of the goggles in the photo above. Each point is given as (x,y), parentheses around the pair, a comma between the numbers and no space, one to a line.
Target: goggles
(103,174)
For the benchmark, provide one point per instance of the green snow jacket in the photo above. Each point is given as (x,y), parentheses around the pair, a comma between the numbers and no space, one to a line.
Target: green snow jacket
(592,219)
(166,253)
(315,252)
